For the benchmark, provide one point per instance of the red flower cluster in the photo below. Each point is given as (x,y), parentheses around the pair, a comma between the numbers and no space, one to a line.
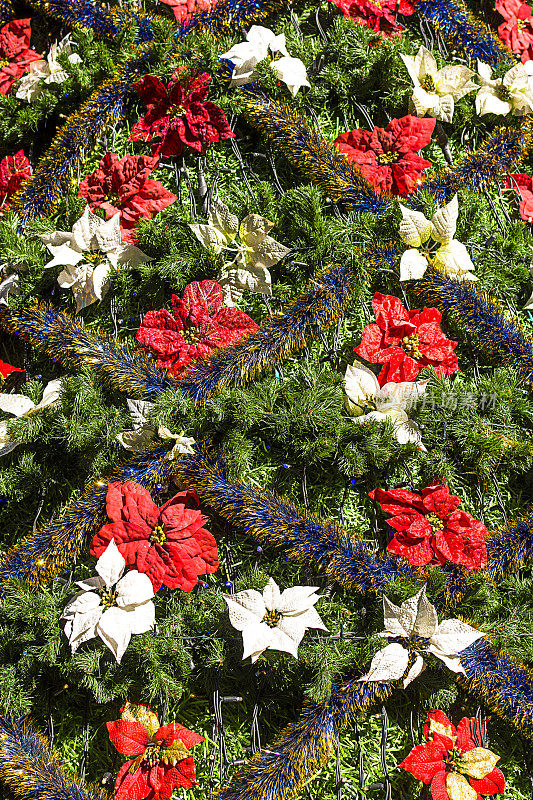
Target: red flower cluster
(169,543)
(405,341)
(14,170)
(387,157)
(431,529)
(378,15)
(517,30)
(451,761)
(184,9)
(15,53)
(524,184)
(160,755)
(123,185)
(179,115)
(198,325)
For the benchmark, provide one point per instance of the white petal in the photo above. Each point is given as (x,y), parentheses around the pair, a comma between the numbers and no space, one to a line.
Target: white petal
(267,253)
(127,255)
(137,440)
(235,281)
(111,564)
(82,603)
(142,617)
(425,102)
(418,616)
(403,394)
(210,237)
(292,72)
(279,640)
(414,672)
(256,638)
(413,265)
(444,221)
(107,235)
(50,394)
(391,617)
(453,636)
(82,628)
(114,630)
(244,53)
(446,109)
(484,71)
(134,589)
(261,38)
(139,410)
(427,64)
(7,444)
(277,45)
(83,229)
(9,285)
(221,218)
(412,63)
(17,404)
(88,584)
(253,229)
(452,662)
(454,79)
(415,229)
(360,385)
(64,255)
(487,102)
(271,595)
(245,608)
(453,259)
(101,279)
(388,664)
(297,599)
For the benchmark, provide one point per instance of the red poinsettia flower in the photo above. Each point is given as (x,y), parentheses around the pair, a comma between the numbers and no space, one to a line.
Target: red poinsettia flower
(198,325)
(517,30)
(378,15)
(179,115)
(387,157)
(14,170)
(184,9)
(161,760)
(405,341)
(169,543)
(7,369)
(451,761)
(123,185)
(524,185)
(431,529)
(15,53)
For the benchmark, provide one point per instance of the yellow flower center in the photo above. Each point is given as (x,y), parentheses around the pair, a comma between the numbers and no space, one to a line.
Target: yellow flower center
(428,83)
(158,535)
(95,257)
(192,334)
(388,158)
(176,111)
(411,345)
(113,198)
(503,92)
(437,524)
(521,24)
(272,618)
(3,62)
(108,598)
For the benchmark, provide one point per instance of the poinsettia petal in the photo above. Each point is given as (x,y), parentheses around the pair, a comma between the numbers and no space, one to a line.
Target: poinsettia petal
(425,761)
(130,738)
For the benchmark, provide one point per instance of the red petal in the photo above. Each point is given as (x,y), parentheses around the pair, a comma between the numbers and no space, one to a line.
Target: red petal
(130,786)
(131,503)
(208,292)
(438,787)
(169,733)
(130,738)
(425,761)
(491,784)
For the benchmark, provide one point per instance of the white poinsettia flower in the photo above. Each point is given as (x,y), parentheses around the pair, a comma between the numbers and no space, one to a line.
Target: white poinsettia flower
(21,406)
(46,71)
(143,431)
(365,400)
(245,57)
(436,90)
(510,94)
(87,253)
(184,444)
(292,72)
(254,251)
(416,622)
(451,257)
(110,605)
(273,620)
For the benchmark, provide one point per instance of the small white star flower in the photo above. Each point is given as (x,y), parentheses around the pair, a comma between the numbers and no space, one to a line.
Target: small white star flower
(110,606)
(21,406)
(416,621)
(365,400)
(273,620)
(510,94)
(254,253)
(451,257)
(87,253)
(436,90)
(245,57)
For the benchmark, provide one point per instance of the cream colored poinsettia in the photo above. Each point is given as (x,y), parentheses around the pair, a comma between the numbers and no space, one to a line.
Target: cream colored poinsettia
(273,620)
(46,71)
(416,622)
(88,252)
(21,406)
(253,254)
(365,400)
(246,55)
(510,94)
(451,257)
(436,90)
(143,433)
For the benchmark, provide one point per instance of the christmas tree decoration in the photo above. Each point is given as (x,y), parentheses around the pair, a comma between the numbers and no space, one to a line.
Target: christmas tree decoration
(273,620)
(416,624)
(161,761)
(431,529)
(167,544)
(16,54)
(452,763)
(47,71)
(111,605)
(510,94)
